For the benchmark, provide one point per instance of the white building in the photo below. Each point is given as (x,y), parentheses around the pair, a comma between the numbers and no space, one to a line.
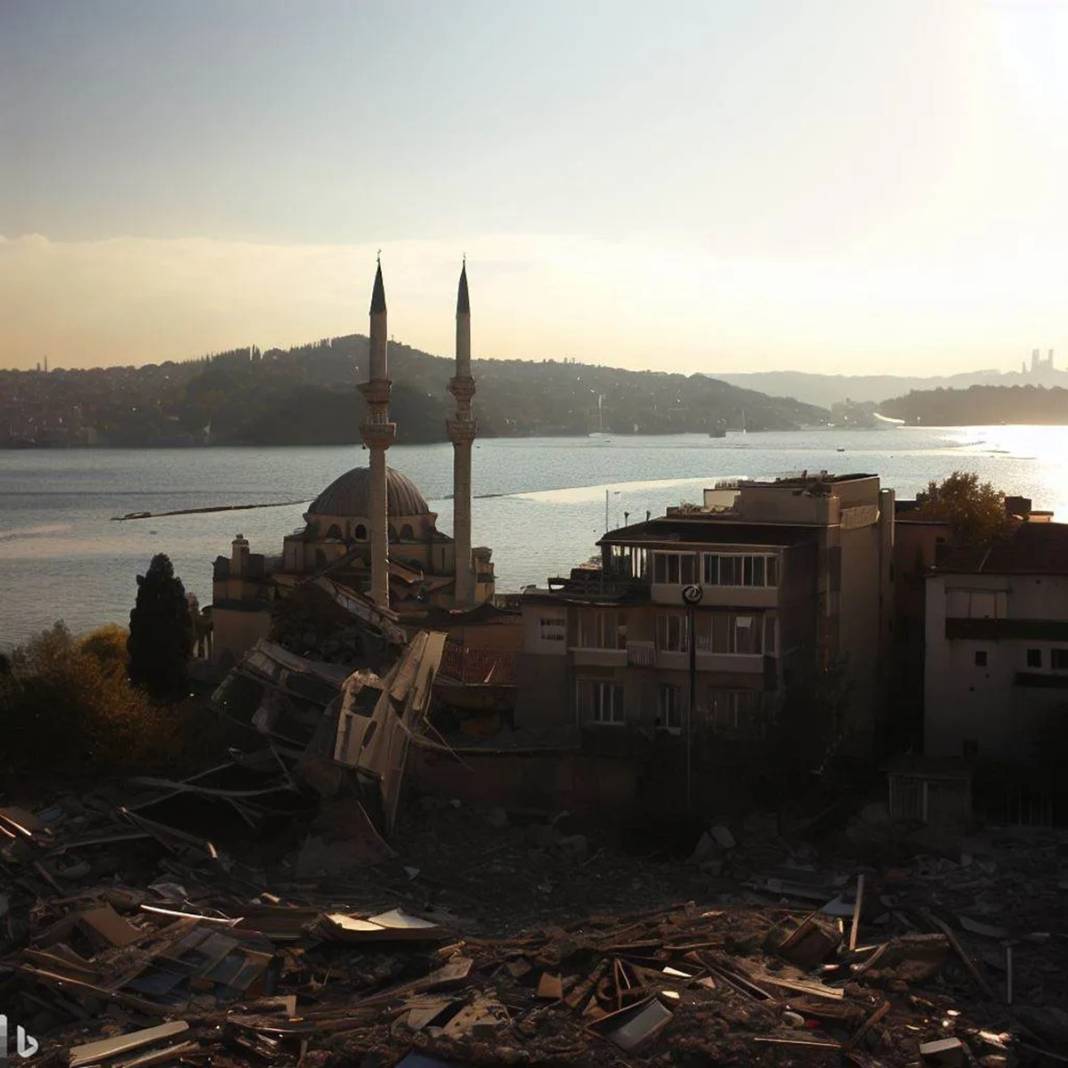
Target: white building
(997,646)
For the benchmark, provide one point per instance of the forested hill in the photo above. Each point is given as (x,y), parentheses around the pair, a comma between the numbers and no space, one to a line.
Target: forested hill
(980,406)
(307,395)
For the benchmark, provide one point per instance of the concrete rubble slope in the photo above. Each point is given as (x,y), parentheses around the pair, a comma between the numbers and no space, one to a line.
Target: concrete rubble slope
(118,924)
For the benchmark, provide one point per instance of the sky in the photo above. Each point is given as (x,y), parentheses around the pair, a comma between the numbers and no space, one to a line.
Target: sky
(844,186)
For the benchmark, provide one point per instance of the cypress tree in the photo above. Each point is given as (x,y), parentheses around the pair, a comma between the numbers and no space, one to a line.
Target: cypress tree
(161,630)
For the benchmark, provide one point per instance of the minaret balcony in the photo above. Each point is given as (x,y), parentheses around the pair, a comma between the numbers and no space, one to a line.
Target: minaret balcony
(378,435)
(461,431)
(376,391)
(462,387)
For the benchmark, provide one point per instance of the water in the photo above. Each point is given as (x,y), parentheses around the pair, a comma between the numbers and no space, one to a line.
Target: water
(540,502)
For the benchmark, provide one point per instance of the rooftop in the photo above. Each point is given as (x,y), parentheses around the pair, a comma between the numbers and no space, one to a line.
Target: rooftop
(707,529)
(1031,549)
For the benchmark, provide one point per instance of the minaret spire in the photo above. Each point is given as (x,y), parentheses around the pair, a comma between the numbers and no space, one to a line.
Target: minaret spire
(462,430)
(378,434)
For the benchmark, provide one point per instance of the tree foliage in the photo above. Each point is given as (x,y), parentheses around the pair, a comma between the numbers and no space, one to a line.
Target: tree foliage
(161,630)
(975,510)
(63,707)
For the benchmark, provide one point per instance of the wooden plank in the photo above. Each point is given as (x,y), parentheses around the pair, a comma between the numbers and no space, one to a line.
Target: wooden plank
(112,1047)
(857,906)
(958,949)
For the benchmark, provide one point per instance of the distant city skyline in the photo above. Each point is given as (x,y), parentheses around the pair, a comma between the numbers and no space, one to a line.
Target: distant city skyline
(842,188)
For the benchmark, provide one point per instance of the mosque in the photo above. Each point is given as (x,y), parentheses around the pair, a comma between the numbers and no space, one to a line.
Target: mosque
(370,531)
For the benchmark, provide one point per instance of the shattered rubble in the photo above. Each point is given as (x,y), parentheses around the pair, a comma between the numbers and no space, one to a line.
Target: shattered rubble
(129,941)
(300,905)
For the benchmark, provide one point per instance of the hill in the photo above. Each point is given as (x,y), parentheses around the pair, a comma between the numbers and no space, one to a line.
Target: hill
(981,406)
(825,390)
(306,395)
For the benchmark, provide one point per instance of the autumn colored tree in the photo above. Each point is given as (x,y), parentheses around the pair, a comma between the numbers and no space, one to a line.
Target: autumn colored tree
(975,510)
(107,644)
(61,709)
(161,631)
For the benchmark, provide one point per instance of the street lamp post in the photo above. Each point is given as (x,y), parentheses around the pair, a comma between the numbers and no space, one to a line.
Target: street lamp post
(691,597)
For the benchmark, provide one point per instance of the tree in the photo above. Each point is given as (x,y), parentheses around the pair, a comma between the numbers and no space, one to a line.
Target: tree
(975,510)
(161,630)
(108,645)
(61,709)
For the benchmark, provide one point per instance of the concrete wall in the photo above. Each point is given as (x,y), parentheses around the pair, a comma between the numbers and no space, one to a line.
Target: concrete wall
(235,631)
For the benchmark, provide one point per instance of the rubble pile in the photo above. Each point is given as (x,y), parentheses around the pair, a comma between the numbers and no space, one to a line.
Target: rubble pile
(127,941)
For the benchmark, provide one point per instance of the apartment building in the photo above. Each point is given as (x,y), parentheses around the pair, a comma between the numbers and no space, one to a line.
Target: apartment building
(997,646)
(764,584)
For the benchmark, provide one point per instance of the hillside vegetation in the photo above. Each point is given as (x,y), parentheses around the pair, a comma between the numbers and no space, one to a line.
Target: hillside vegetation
(307,395)
(981,406)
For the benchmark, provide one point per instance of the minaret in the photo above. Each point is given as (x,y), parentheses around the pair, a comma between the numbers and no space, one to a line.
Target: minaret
(378,434)
(462,430)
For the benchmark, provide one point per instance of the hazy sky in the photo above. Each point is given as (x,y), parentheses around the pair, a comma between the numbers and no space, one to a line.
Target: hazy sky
(840,186)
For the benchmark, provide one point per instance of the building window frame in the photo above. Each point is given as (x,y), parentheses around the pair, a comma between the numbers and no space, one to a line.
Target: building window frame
(735,633)
(670,704)
(601,702)
(1034,658)
(598,629)
(674,568)
(552,628)
(1058,659)
(672,632)
(736,712)
(740,570)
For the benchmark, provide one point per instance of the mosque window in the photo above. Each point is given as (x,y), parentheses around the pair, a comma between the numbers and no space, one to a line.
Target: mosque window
(407,534)
(360,532)
(335,532)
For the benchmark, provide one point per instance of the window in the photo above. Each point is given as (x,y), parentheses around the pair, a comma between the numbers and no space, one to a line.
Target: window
(552,628)
(669,704)
(1058,659)
(598,629)
(672,633)
(736,712)
(675,568)
(735,569)
(1034,658)
(980,658)
(407,534)
(600,701)
(360,533)
(769,634)
(726,632)
(627,561)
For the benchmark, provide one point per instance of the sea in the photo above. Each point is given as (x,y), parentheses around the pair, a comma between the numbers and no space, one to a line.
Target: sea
(540,503)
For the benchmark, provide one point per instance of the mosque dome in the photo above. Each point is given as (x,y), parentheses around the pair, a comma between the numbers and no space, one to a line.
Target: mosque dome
(350,495)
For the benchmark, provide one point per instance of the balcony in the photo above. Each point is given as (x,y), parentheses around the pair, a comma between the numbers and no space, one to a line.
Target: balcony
(598,657)
(641,654)
(718,596)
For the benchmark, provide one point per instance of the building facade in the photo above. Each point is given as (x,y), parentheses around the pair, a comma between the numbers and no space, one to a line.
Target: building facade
(792,580)
(997,646)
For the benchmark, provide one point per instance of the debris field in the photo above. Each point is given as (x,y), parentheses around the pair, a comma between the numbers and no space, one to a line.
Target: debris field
(129,942)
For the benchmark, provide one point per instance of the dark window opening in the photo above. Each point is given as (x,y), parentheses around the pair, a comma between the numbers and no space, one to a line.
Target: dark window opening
(1034,658)
(980,658)
(1058,659)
